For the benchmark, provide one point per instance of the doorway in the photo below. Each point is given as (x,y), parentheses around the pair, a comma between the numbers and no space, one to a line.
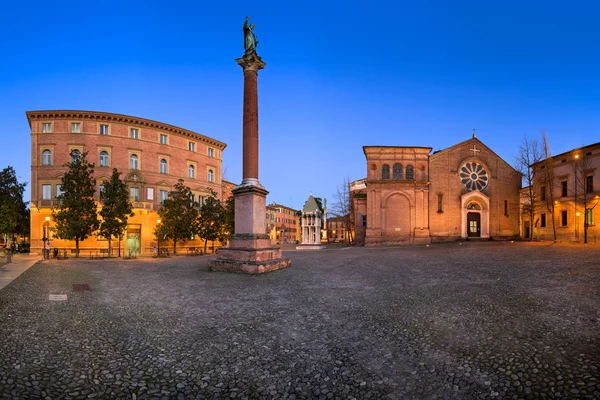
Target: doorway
(473,224)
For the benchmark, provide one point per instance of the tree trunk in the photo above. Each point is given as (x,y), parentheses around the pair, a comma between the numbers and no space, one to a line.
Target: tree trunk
(205,243)
(76,247)
(174,247)
(109,240)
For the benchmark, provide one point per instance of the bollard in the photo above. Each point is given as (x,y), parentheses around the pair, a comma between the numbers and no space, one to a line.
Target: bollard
(8,257)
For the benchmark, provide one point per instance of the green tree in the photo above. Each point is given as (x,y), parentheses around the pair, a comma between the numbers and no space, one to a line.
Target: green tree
(211,219)
(76,214)
(228,221)
(178,215)
(13,209)
(116,208)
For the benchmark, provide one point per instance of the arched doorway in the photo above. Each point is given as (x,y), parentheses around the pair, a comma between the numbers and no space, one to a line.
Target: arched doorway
(397,218)
(475,215)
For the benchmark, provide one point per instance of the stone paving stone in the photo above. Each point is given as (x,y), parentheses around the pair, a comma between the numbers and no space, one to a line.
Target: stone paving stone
(459,321)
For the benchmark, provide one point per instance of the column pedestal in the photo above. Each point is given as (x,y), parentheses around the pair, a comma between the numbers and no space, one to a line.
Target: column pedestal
(249,251)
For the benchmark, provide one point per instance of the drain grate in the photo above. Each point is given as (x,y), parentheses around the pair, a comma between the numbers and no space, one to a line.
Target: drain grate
(80,287)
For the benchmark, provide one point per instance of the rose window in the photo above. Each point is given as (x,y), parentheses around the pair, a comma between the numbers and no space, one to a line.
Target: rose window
(473,176)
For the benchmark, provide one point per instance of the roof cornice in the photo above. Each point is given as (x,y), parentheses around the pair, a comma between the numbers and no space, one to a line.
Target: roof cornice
(127,119)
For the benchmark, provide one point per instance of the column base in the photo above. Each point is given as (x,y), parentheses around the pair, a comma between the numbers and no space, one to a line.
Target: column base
(249,254)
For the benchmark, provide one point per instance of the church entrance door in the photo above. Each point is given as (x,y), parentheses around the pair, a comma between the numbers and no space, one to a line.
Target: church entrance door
(473,224)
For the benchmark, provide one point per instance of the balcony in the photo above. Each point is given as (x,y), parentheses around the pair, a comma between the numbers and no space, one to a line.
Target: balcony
(144,205)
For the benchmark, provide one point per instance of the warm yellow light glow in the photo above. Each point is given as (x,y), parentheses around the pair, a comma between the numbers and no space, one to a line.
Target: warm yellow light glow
(158,221)
(47,218)
(577,213)
(576,155)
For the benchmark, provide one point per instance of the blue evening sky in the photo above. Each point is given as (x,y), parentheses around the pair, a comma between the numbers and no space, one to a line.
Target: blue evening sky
(339,75)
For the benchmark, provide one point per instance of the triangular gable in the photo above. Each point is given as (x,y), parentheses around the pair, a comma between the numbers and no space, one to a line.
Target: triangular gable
(474,140)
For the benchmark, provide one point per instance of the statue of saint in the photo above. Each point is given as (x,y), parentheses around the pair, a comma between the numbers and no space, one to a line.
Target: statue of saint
(250,41)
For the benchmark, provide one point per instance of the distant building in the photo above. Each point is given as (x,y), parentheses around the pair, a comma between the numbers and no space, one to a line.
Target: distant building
(411,196)
(572,190)
(152,156)
(286,222)
(337,230)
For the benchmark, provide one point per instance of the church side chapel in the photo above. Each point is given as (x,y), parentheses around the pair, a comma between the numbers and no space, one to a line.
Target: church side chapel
(413,197)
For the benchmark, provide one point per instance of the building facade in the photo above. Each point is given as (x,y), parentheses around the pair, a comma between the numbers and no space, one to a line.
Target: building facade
(567,196)
(411,196)
(284,227)
(152,156)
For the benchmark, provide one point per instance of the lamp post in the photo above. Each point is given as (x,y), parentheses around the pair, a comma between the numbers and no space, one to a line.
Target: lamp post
(577,225)
(158,236)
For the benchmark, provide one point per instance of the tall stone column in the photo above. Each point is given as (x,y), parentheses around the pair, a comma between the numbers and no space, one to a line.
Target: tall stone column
(250,250)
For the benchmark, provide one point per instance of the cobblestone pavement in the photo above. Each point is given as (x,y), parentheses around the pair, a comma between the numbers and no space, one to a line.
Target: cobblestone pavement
(465,321)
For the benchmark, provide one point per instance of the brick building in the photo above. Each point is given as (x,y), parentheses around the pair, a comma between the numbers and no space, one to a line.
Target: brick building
(412,196)
(575,186)
(151,156)
(286,224)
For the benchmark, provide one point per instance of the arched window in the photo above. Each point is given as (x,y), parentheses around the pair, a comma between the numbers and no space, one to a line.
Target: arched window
(210,175)
(410,173)
(163,166)
(385,172)
(75,154)
(397,172)
(103,159)
(46,157)
(133,162)
(191,172)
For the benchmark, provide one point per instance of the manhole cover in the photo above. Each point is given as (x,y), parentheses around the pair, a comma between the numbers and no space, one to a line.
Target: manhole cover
(79,287)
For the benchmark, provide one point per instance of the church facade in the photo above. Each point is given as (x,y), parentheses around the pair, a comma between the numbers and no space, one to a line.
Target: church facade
(411,196)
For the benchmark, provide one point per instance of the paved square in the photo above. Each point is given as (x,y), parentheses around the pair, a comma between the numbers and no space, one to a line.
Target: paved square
(470,321)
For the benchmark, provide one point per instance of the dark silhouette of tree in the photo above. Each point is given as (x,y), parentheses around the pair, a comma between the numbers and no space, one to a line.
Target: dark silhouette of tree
(545,169)
(13,210)
(342,208)
(211,219)
(76,213)
(116,208)
(530,153)
(228,224)
(178,215)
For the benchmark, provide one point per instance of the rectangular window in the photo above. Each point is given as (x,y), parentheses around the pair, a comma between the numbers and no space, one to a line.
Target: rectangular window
(506,208)
(101,189)
(563,186)
(134,133)
(134,194)
(440,203)
(47,127)
(589,184)
(543,220)
(46,192)
(103,129)
(75,127)
(543,193)
(211,152)
(589,216)
(58,190)
(200,201)
(163,139)
(192,146)
(150,194)
(163,195)
(563,218)
(364,220)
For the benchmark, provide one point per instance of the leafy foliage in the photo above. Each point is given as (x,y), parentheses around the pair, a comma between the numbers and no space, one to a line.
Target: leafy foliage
(116,207)
(178,215)
(14,214)
(228,222)
(76,214)
(211,219)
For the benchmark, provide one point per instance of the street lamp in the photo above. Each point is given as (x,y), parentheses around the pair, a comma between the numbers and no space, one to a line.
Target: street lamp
(577,224)
(158,236)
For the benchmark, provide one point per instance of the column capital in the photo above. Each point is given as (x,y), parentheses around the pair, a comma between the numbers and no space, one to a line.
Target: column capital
(251,62)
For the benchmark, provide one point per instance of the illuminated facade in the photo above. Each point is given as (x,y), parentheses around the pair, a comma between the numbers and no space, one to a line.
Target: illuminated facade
(152,157)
